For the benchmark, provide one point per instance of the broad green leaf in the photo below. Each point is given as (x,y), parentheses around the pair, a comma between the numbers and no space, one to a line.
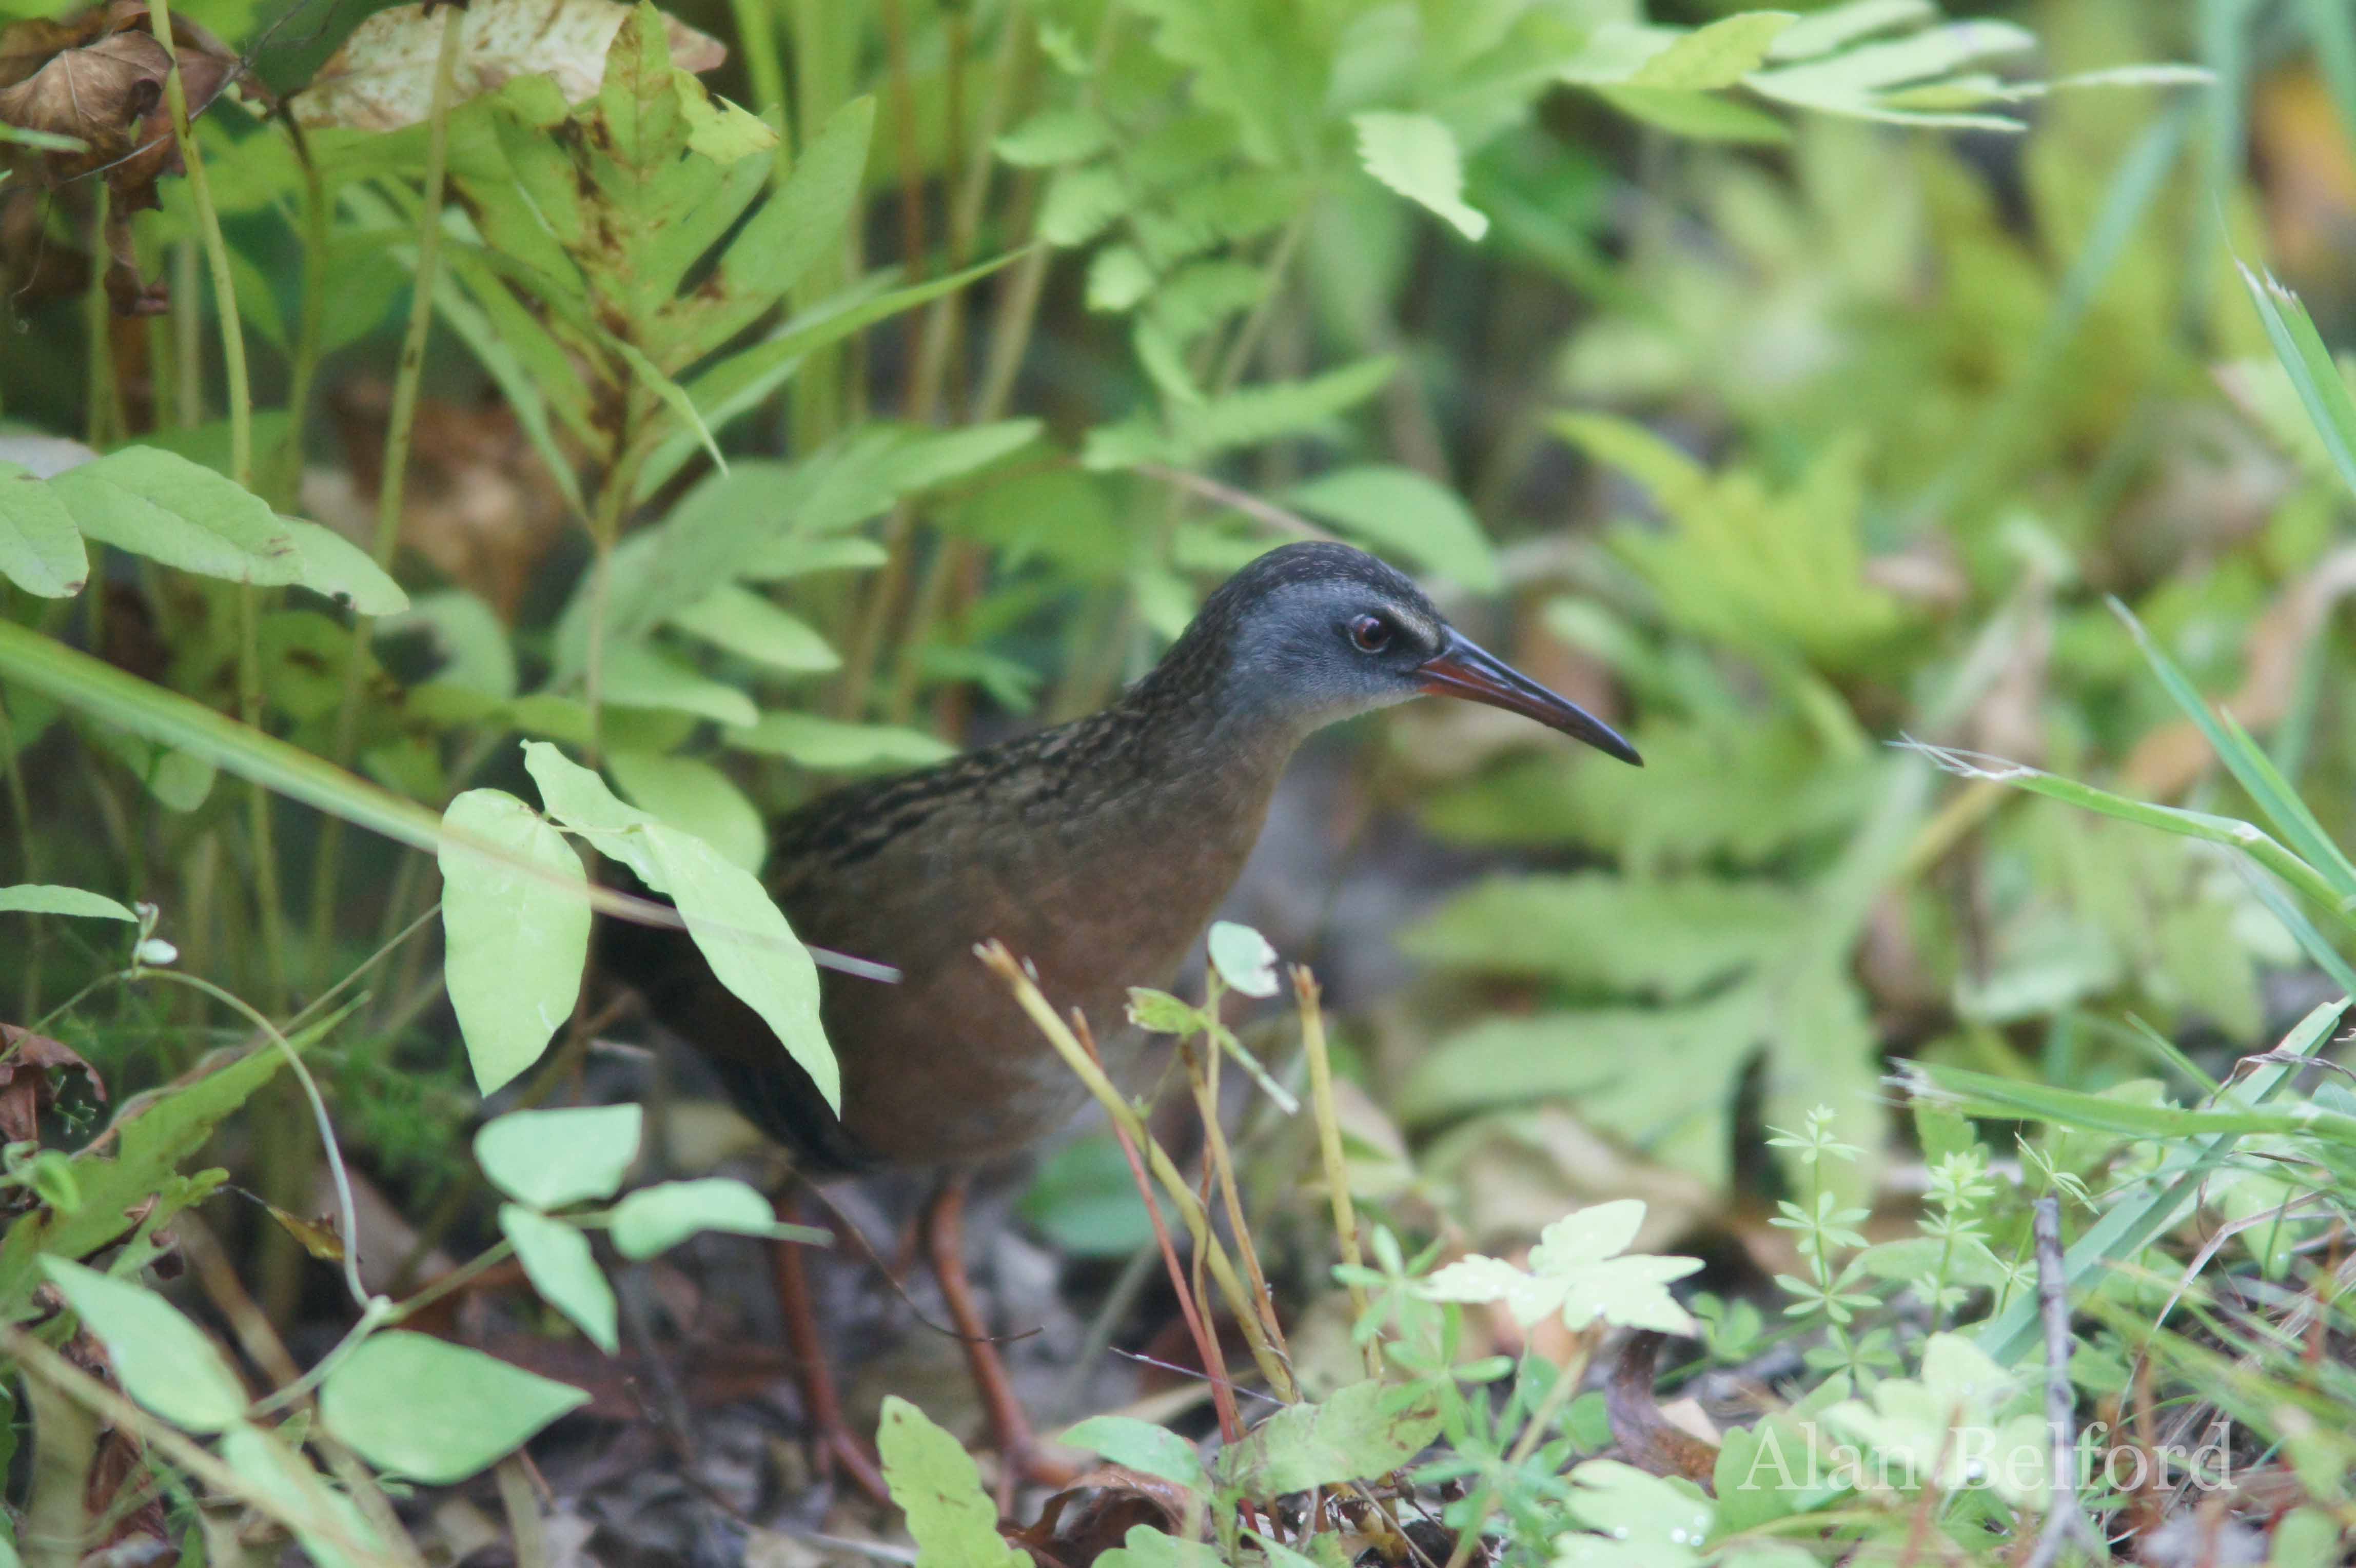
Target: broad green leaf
(468,636)
(1085,1200)
(1644,1519)
(1821,32)
(1055,136)
(1397,509)
(48,899)
(1700,116)
(734,923)
(833,745)
(1159,1013)
(1146,1547)
(637,676)
(656,1218)
(557,1260)
(40,551)
(162,1359)
(787,558)
(1142,1445)
(158,504)
(334,567)
(322,1518)
(1366,1430)
(424,1408)
(936,1483)
(751,626)
(1416,155)
(1718,55)
(1577,1271)
(1243,958)
(551,1158)
(696,798)
(515,943)
(1081,203)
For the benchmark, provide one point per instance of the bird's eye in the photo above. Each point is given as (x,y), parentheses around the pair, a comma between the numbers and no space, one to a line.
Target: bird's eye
(1372,634)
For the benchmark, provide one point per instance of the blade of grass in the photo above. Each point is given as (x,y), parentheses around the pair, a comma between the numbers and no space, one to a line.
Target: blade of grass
(2123,1231)
(2249,765)
(2310,366)
(2232,833)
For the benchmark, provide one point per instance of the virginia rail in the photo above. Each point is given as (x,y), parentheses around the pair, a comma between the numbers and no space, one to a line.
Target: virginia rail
(1098,850)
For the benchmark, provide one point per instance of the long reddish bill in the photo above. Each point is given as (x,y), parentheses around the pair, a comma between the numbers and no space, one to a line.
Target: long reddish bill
(1465,669)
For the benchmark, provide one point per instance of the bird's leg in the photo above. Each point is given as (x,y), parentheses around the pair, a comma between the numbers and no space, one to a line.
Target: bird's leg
(836,1442)
(1019,1457)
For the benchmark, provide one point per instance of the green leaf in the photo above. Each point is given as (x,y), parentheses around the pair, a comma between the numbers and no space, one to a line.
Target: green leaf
(557,1260)
(656,1218)
(751,626)
(1605,933)
(935,1482)
(1159,1013)
(1366,1430)
(424,1408)
(48,899)
(299,1495)
(1577,1271)
(1055,136)
(332,565)
(515,943)
(1081,204)
(637,676)
(1243,958)
(1146,1547)
(40,551)
(732,920)
(551,1158)
(158,504)
(695,798)
(1118,278)
(1397,509)
(1085,1200)
(1699,116)
(833,745)
(1644,1519)
(1416,155)
(1718,55)
(2311,368)
(160,1358)
(1142,1445)
(802,219)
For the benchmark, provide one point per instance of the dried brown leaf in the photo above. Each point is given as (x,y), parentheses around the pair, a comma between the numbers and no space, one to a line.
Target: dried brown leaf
(26,1060)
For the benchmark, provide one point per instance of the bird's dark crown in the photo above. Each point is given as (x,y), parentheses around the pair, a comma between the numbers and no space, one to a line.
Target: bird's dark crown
(1303,635)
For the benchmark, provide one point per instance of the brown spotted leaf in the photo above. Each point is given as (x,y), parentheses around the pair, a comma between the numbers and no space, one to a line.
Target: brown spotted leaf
(26,1060)
(382,79)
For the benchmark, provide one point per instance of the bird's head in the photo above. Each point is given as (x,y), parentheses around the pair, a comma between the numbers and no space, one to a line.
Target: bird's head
(1310,634)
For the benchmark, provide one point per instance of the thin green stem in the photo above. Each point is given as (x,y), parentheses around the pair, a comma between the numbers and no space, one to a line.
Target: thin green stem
(101,426)
(347,1211)
(268,897)
(311,330)
(201,191)
(394,479)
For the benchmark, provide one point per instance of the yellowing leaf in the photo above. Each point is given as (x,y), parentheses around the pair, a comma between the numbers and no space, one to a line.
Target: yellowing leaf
(382,77)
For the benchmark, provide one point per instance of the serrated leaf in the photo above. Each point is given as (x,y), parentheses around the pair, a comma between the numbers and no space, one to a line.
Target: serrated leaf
(1366,1430)
(48,899)
(556,1258)
(515,944)
(1055,136)
(40,551)
(1417,155)
(423,1407)
(936,1483)
(547,1159)
(1576,1271)
(1717,55)
(1081,204)
(162,1359)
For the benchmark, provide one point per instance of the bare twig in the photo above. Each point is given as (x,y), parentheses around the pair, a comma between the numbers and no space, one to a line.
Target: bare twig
(2065,1519)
